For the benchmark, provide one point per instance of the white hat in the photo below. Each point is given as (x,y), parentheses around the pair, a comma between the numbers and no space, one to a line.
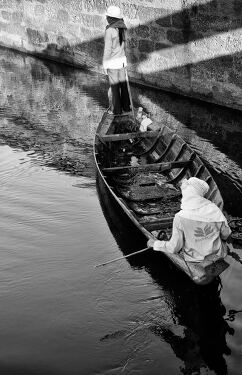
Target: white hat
(201,186)
(114,12)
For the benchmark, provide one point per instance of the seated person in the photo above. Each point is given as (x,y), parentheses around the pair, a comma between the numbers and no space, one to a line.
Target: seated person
(199,228)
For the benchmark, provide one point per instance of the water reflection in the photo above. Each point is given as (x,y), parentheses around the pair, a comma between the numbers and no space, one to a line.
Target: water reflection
(214,132)
(44,108)
(198,325)
(54,110)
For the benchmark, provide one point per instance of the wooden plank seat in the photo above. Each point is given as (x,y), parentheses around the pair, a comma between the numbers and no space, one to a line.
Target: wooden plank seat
(127,136)
(151,167)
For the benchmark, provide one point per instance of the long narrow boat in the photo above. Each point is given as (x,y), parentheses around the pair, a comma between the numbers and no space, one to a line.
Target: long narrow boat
(143,171)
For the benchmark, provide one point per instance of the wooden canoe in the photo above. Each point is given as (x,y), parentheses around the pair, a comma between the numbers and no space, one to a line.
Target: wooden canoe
(143,172)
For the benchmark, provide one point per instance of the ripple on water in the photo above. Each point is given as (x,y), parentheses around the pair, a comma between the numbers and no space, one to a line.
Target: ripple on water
(57,311)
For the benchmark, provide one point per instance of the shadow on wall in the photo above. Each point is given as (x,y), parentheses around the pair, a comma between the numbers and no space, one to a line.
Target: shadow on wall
(170,37)
(196,51)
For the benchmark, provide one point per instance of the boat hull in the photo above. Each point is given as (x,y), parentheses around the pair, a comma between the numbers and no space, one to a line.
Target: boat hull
(143,172)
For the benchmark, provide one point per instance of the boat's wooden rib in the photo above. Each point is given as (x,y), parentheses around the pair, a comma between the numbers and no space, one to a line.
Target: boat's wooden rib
(199,171)
(144,176)
(179,153)
(151,148)
(178,177)
(151,167)
(168,146)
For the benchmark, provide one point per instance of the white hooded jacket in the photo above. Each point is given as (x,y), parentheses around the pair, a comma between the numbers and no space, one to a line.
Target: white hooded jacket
(199,229)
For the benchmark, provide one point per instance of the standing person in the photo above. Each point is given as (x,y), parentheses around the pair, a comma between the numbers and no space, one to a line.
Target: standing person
(199,228)
(115,61)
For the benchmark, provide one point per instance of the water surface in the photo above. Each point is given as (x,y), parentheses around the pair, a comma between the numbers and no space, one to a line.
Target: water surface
(59,314)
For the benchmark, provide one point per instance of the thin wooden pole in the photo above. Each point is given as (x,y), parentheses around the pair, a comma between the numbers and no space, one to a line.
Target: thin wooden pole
(123,257)
(130,96)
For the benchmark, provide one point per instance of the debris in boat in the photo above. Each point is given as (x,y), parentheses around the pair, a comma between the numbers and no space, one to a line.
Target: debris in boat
(140,191)
(236,227)
(134,161)
(146,121)
(139,114)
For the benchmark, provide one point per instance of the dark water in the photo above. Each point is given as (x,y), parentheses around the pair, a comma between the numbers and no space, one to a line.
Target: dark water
(60,315)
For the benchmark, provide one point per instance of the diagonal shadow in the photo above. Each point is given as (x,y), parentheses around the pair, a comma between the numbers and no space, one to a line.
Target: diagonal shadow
(189,25)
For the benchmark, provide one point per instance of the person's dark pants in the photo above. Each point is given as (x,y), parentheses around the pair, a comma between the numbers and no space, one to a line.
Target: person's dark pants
(119,89)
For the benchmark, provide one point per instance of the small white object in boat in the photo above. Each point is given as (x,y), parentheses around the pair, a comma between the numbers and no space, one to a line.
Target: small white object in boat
(144,124)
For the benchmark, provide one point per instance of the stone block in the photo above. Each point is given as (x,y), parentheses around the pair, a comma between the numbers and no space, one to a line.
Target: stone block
(131,33)
(211,23)
(157,33)
(211,70)
(208,8)
(177,20)
(74,29)
(199,89)
(15,29)
(142,31)
(4,4)
(225,62)
(62,41)
(159,46)
(235,77)
(146,46)
(148,14)
(175,36)
(237,4)
(101,6)
(237,61)
(35,37)
(91,20)
(132,42)
(132,56)
(3,26)
(52,50)
(39,10)
(86,32)
(62,16)
(17,17)
(164,21)
(225,7)
(130,10)
(158,80)
(6,15)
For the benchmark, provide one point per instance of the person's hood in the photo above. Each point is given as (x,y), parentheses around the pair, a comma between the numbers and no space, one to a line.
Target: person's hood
(195,207)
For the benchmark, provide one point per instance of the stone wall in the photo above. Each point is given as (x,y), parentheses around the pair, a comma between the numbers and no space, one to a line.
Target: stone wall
(192,47)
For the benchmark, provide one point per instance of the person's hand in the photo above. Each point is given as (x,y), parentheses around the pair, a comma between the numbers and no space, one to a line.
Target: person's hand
(150,243)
